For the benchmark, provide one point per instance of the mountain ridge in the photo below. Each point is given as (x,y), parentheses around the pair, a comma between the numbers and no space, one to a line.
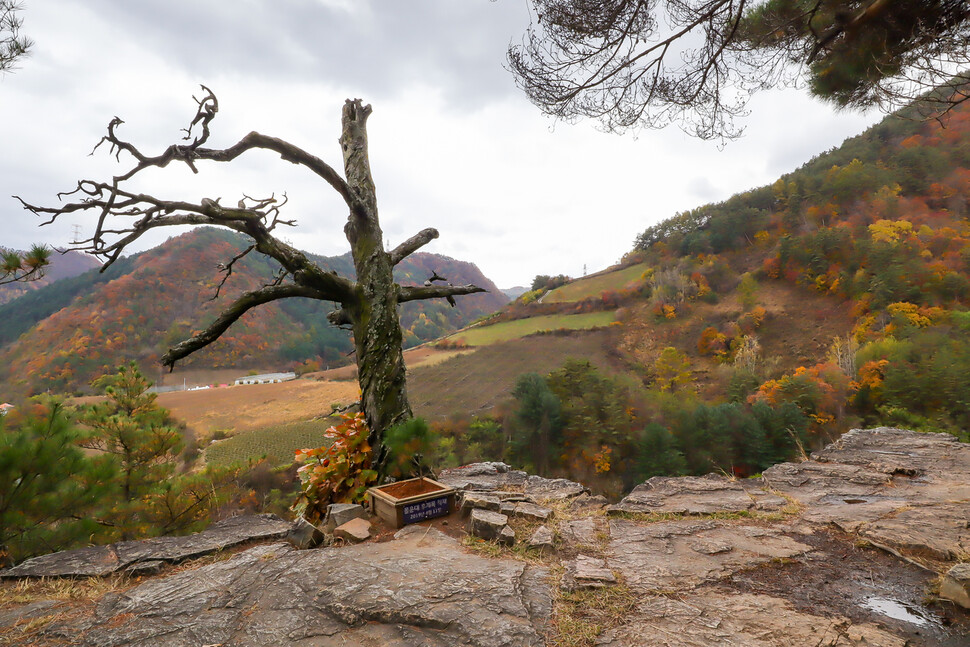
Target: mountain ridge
(146,302)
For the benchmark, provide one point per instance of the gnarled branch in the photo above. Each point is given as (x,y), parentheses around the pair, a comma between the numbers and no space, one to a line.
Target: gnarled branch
(413,244)
(247,301)
(409,293)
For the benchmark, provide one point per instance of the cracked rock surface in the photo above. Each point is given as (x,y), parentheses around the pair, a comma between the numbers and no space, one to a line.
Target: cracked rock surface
(419,590)
(842,550)
(98,561)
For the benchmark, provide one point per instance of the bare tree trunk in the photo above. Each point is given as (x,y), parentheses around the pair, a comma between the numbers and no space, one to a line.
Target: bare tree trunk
(368,305)
(377,330)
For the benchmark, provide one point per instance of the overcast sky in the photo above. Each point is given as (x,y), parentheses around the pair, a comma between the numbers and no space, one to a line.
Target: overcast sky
(453,143)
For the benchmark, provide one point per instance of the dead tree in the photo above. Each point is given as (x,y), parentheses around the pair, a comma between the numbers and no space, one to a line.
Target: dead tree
(368,305)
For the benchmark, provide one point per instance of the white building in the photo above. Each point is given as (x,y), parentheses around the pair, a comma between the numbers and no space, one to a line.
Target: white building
(267,378)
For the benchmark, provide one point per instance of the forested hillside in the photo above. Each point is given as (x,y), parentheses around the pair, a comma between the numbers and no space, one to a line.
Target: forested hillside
(63,335)
(880,226)
(737,334)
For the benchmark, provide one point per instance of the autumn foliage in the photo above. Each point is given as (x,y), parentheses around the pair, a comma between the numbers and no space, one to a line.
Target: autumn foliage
(336,473)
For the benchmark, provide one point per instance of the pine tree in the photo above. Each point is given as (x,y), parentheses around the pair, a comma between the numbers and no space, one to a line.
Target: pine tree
(48,486)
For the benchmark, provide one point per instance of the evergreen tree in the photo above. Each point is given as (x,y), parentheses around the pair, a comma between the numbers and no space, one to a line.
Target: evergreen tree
(537,423)
(148,497)
(48,486)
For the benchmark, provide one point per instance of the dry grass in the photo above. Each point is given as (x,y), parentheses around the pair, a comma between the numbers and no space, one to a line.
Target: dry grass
(580,617)
(25,591)
(257,406)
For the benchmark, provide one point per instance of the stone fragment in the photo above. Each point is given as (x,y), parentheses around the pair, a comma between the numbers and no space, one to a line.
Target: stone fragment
(340,513)
(512,497)
(579,532)
(150,567)
(506,536)
(531,511)
(553,489)
(304,534)
(542,540)
(587,501)
(471,500)
(353,531)
(956,585)
(486,524)
(507,508)
(98,561)
(586,572)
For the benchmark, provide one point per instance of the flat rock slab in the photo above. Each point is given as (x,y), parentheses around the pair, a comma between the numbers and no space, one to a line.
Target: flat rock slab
(730,619)
(98,561)
(499,477)
(686,495)
(471,500)
(683,554)
(531,511)
(484,477)
(901,452)
(421,589)
(580,532)
(587,572)
(924,534)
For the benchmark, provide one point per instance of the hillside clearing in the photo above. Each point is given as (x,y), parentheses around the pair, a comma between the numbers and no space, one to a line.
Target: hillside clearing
(594,286)
(509,330)
(475,383)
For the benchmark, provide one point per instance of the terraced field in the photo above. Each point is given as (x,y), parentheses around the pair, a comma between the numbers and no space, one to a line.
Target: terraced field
(509,330)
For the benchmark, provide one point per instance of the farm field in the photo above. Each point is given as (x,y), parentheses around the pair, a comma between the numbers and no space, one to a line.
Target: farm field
(594,286)
(259,406)
(424,355)
(509,330)
(276,443)
(475,383)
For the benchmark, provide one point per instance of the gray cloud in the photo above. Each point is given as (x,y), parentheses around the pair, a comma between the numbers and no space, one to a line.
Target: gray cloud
(380,47)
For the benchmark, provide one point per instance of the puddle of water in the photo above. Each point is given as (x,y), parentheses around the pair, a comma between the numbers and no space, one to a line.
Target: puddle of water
(899,611)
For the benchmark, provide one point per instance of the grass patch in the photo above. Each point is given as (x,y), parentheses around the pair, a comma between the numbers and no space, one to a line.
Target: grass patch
(277,443)
(25,591)
(594,286)
(507,330)
(580,617)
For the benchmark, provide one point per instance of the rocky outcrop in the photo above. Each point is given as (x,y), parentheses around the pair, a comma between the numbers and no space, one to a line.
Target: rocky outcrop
(842,550)
(900,490)
(698,495)
(494,477)
(422,589)
(98,561)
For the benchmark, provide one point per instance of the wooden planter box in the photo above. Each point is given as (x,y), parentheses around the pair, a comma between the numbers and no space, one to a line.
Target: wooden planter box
(411,501)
